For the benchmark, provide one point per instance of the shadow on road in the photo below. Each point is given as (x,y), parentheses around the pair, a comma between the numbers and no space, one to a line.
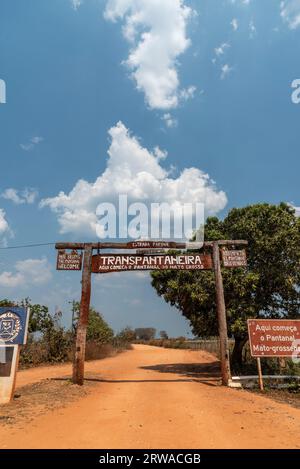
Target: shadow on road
(117,381)
(208,373)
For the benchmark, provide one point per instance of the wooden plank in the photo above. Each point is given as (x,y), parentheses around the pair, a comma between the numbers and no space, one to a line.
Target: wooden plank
(68,260)
(108,245)
(151,245)
(234,259)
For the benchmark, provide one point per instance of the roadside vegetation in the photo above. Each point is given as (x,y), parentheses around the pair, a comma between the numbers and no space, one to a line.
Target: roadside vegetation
(268,288)
(50,342)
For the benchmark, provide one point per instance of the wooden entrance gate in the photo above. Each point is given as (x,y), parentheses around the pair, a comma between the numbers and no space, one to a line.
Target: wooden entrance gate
(105,263)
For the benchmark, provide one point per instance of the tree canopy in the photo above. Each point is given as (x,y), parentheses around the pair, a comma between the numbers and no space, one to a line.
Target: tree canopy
(268,287)
(145,333)
(97,330)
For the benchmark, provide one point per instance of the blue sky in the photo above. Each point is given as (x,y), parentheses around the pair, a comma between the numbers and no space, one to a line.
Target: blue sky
(211,87)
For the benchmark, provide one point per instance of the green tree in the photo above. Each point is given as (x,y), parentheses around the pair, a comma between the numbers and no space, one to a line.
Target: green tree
(145,333)
(268,287)
(5,303)
(126,335)
(163,335)
(40,320)
(98,330)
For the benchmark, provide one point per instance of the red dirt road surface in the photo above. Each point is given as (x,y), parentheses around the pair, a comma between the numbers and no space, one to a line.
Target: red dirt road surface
(151,397)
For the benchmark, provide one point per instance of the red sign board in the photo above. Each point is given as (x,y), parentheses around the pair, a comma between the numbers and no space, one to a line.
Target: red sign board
(234,258)
(69,260)
(104,263)
(274,337)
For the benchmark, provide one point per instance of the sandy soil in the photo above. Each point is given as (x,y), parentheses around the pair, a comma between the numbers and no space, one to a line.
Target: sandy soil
(153,398)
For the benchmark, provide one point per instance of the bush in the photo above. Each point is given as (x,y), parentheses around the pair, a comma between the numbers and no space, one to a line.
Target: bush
(54,347)
(49,343)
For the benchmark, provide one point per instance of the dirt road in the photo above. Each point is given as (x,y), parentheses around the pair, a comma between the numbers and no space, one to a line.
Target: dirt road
(157,398)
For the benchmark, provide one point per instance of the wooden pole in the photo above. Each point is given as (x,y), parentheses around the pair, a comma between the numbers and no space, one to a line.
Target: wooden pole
(79,356)
(260,378)
(221,311)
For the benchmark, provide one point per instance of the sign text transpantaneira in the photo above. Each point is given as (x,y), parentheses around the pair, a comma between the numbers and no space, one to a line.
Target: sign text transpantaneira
(104,263)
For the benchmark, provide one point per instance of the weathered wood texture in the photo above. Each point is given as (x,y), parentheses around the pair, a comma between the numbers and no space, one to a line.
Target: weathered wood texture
(222,321)
(79,355)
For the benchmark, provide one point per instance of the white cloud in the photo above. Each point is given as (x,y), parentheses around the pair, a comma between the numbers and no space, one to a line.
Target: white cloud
(27,272)
(169,120)
(4,227)
(241,2)
(225,71)
(27,196)
(221,49)
(157,33)
(235,24)
(5,230)
(297,209)
(76,4)
(252,29)
(290,13)
(188,93)
(135,171)
(34,141)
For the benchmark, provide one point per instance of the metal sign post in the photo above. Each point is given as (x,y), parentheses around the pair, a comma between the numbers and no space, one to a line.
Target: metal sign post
(13,334)
(260,377)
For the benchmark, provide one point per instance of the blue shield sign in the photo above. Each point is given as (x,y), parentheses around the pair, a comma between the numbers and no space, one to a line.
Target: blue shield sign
(13,325)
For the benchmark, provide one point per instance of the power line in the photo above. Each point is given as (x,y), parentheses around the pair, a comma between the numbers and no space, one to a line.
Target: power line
(20,246)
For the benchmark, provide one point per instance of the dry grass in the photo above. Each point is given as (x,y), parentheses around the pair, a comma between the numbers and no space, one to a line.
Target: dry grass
(37,399)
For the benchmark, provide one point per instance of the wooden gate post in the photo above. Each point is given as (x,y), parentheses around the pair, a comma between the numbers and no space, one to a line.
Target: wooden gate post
(221,311)
(79,355)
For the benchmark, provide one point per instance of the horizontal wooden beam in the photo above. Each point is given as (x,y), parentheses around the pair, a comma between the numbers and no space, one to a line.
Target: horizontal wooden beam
(230,242)
(107,245)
